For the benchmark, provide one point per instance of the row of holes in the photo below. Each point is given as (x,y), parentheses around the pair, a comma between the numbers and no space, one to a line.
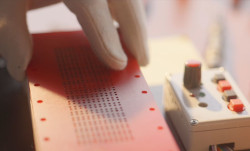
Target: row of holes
(143,92)
(151,109)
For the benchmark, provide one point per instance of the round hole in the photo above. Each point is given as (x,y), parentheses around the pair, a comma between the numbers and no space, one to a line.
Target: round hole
(43,119)
(40,101)
(202,104)
(137,76)
(144,92)
(159,127)
(151,109)
(36,84)
(46,139)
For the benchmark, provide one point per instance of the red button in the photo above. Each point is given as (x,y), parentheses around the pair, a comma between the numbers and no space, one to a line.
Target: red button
(236,105)
(224,85)
(193,63)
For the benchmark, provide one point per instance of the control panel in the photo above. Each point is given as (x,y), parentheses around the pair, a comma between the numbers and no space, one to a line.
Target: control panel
(207,109)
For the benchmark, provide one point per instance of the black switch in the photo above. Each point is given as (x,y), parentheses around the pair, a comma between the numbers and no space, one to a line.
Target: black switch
(218,77)
(229,94)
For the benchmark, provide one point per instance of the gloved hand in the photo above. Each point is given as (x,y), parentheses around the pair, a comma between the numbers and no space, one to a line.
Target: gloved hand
(95,17)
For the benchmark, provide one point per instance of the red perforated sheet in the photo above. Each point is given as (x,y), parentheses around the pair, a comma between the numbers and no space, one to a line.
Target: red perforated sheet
(78,104)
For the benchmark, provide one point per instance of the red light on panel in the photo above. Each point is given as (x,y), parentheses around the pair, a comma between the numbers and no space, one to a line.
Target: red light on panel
(224,85)
(236,105)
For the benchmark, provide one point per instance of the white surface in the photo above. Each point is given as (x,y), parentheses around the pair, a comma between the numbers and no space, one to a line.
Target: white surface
(168,55)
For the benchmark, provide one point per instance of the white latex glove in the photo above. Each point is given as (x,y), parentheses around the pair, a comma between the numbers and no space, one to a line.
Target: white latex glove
(96,19)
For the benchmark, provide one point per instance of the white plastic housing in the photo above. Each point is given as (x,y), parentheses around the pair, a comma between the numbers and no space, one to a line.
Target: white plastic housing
(204,121)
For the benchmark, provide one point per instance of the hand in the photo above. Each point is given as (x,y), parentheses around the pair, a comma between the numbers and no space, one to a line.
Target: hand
(96,19)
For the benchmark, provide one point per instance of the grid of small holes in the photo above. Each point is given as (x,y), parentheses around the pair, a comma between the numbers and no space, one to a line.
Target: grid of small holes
(94,104)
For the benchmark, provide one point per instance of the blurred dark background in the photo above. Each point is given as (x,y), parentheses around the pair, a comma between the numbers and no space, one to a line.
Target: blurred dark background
(15,122)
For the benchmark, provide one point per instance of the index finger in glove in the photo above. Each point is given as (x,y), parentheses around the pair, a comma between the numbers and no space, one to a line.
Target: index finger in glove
(95,19)
(15,41)
(131,17)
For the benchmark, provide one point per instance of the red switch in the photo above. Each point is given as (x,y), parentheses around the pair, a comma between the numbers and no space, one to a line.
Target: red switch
(236,105)
(224,85)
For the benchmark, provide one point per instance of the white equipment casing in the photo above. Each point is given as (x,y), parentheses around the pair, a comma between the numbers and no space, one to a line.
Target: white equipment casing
(205,119)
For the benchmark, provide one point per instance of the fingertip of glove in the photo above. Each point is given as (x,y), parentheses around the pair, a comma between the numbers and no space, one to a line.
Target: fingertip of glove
(142,56)
(118,64)
(144,61)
